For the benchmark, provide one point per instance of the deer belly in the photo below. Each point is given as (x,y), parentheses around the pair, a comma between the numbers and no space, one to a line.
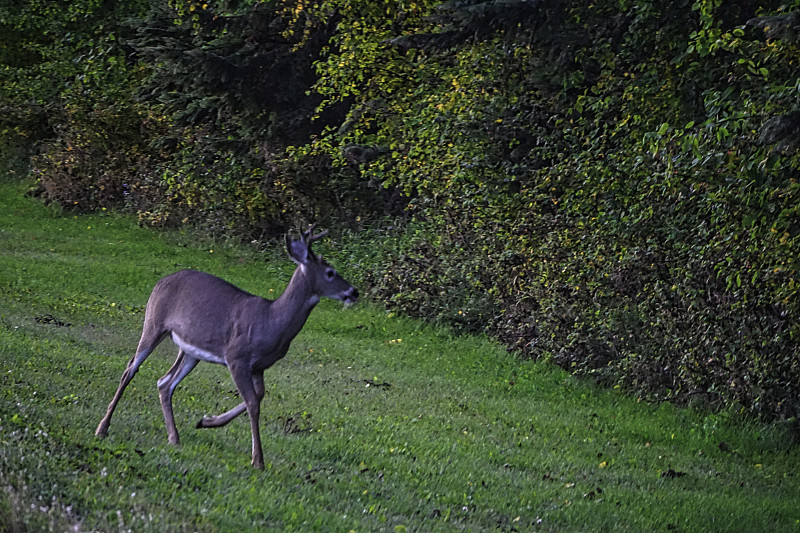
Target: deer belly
(197,353)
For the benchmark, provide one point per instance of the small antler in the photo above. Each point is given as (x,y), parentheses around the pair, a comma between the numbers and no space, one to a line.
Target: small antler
(309,237)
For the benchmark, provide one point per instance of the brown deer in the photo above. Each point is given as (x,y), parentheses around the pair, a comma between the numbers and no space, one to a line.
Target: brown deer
(211,320)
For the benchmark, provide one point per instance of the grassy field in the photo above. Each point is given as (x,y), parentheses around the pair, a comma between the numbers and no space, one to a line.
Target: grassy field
(371,423)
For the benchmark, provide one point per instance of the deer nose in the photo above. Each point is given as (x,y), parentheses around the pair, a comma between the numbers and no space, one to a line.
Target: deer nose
(351,295)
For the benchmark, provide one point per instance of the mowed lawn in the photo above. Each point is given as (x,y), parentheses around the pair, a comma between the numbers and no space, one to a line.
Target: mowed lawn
(373,422)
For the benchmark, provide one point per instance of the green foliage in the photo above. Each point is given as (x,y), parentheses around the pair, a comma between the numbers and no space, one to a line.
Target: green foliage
(620,199)
(66,99)
(608,185)
(235,79)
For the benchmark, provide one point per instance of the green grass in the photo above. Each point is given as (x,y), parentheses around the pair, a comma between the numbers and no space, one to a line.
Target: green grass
(372,422)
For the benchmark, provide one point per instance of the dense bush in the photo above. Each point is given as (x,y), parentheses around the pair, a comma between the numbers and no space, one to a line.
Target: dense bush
(67,99)
(609,185)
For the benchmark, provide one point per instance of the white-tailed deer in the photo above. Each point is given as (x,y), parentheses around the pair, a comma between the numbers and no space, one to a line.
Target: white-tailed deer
(211,320)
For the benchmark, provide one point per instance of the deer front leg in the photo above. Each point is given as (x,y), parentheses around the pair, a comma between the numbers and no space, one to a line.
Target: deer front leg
(222,419)
(166,387)
(251,388)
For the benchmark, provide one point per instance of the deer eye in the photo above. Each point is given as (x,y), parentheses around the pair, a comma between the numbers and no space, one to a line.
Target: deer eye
(330,273)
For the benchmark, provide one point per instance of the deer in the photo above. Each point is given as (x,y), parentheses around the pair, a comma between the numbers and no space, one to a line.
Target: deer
(211,320)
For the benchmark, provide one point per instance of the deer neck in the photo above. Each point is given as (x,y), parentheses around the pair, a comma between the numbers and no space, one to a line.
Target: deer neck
(295,304)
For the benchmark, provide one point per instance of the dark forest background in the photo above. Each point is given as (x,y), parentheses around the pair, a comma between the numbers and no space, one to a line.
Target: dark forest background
(609,185)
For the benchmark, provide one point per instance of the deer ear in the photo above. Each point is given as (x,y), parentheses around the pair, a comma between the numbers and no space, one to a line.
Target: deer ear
(298,251)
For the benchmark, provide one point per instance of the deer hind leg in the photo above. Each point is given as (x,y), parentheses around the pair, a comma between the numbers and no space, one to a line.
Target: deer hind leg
(166,387)
(146,346)
(222,419)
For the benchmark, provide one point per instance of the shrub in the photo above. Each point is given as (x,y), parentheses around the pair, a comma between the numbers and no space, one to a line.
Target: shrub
(611,187)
